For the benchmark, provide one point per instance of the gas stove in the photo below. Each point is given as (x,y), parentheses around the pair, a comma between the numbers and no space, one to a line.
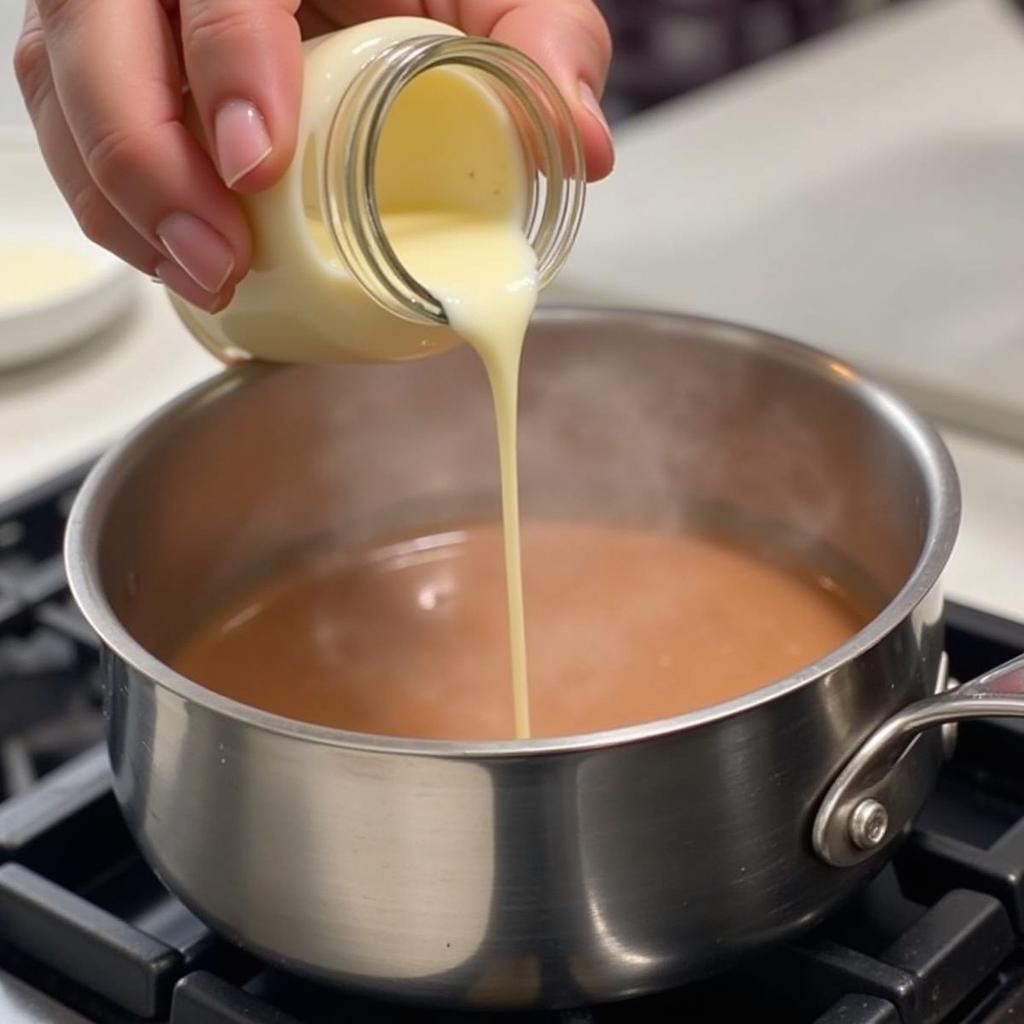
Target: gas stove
(88,935)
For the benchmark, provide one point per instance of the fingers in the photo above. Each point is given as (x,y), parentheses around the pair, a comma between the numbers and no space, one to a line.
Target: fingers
(124,115)
(244,64)
(97,217)
(142,185)
(568,38)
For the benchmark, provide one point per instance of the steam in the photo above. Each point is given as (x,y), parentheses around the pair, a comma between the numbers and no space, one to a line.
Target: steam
(652,430)
(665,434)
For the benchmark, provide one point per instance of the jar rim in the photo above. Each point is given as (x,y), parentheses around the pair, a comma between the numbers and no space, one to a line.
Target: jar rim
(352,213)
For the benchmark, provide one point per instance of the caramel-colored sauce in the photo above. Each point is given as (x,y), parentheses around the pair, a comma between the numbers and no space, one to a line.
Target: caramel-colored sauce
(410,639)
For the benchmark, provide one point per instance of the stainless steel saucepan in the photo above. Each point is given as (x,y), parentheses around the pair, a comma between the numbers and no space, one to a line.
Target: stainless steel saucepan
(552,871)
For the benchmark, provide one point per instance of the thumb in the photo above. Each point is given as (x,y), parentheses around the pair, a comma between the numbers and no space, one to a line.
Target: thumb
(243,60)
(571,42)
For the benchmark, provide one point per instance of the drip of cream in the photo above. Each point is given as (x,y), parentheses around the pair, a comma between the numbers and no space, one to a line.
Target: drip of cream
(484,273)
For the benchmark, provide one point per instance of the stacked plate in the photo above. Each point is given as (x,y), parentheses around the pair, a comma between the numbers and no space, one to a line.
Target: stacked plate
(57,289)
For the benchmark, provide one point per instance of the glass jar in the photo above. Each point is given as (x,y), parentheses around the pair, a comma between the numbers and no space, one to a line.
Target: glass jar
(395,111)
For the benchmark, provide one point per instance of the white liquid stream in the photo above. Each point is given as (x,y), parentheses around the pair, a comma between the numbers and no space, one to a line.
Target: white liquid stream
(483,271)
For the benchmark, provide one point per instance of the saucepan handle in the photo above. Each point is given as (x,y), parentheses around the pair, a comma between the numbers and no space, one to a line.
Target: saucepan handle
(871,791)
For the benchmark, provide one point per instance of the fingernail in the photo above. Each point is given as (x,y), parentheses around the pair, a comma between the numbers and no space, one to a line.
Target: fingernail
(173,277)
(199,250)
(589,100)
(240,136)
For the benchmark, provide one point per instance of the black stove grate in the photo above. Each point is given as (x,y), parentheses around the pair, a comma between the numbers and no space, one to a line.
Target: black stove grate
(88,933)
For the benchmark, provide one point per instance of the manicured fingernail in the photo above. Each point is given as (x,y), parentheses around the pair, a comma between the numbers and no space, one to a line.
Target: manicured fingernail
(241,139)
(173,277)
(589,100)
(199,250)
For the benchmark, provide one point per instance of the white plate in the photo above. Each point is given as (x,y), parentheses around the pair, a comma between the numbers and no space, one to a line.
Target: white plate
(33,215)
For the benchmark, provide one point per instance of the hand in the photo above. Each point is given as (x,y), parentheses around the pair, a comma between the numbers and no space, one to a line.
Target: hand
(103,82)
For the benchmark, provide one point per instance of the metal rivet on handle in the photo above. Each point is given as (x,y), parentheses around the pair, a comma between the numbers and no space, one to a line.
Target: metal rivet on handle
(869,823)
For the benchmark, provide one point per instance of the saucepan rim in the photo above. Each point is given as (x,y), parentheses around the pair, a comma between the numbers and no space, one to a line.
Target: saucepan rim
(943,510)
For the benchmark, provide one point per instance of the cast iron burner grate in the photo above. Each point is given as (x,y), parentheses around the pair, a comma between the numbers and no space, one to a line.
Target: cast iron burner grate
(88,934)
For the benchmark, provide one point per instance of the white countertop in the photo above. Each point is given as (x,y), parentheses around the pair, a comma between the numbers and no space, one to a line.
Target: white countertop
(685,223)
(64,410)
